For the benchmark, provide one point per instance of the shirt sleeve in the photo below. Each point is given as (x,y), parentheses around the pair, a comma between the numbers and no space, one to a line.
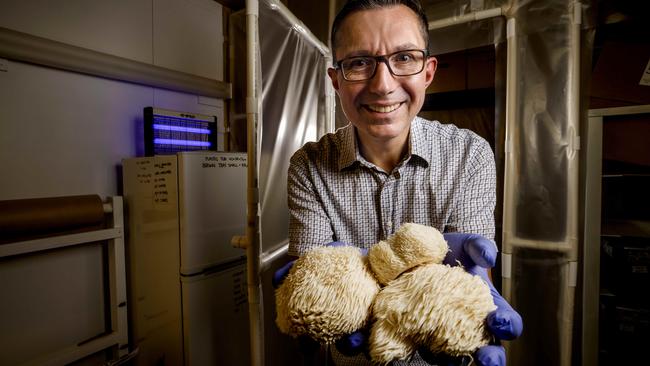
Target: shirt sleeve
(309,225)
(476,200)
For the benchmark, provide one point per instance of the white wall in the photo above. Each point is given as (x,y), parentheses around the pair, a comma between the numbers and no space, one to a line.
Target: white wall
(63,133)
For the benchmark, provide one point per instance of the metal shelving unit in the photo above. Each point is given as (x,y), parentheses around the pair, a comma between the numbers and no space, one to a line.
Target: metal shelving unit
(616,251)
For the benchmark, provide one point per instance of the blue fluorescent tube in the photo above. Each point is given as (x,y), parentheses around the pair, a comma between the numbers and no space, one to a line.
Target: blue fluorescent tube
(180,142)
(181,129)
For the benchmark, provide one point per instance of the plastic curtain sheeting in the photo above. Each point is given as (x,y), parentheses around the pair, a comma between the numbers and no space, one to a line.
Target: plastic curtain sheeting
(294,111)
(538,118)
(540,222)
(289,102)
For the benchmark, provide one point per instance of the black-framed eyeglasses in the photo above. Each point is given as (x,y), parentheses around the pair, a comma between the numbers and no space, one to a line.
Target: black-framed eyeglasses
(400,63)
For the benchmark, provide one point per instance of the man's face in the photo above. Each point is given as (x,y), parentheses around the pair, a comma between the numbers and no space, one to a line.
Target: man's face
(383,107)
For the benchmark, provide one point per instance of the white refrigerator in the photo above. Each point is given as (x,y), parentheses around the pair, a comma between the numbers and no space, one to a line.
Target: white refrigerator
(187,290)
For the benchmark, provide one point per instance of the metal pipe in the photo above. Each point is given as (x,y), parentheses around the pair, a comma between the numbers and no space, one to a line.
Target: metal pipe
(331,14)
(268,259)
(253,250)
(56,242)
(573,112)
(619,111)
(509,180)
(465,18)
(25,47)
(509,173)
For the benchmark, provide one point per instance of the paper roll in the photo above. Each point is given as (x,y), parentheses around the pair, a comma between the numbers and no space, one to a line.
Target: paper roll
(34,217)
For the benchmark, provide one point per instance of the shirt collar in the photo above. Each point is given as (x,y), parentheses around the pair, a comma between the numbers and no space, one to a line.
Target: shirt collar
(417,145)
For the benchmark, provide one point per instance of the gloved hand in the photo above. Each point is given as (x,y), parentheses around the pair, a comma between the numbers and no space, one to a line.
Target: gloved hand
(354,343)
(349,345)
(281,274)
(491,355)
(477,253)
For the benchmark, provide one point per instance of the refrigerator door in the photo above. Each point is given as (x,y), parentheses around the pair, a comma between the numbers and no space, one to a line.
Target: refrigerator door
(215,317)
(212,205)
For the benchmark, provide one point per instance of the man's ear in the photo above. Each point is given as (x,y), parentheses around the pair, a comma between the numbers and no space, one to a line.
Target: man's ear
(334,76)
(430,70)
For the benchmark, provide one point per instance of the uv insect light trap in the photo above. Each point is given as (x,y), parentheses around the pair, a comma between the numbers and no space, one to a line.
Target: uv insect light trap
(168,132)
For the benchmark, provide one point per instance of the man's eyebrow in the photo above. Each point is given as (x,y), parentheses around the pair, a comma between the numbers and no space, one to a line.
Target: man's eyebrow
(407,46)
(402,47)
(358,53)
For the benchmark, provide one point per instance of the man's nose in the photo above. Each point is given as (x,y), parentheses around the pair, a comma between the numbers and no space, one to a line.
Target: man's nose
(383,82)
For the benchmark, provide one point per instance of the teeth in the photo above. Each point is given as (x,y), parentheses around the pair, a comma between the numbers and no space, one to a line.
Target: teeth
(383,108)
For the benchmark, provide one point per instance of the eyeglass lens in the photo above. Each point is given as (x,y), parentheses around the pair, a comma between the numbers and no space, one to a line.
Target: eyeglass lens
(401,63)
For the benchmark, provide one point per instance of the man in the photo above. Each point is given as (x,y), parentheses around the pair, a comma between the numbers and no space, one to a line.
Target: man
(388,166)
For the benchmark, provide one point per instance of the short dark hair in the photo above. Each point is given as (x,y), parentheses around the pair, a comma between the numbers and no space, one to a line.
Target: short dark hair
(353,6)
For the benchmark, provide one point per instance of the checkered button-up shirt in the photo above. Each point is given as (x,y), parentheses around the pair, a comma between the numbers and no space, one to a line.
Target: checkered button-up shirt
(446,180)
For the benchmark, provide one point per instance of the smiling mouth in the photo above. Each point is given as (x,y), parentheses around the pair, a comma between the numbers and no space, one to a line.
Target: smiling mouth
(383,108)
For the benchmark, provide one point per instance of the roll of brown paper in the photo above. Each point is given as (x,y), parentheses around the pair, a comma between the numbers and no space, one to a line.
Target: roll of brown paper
(39,216)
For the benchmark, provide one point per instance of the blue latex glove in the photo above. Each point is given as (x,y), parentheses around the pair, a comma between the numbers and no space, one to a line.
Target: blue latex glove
(491,355)
(354,343)
(350,344)
(281,274)
(477,253)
